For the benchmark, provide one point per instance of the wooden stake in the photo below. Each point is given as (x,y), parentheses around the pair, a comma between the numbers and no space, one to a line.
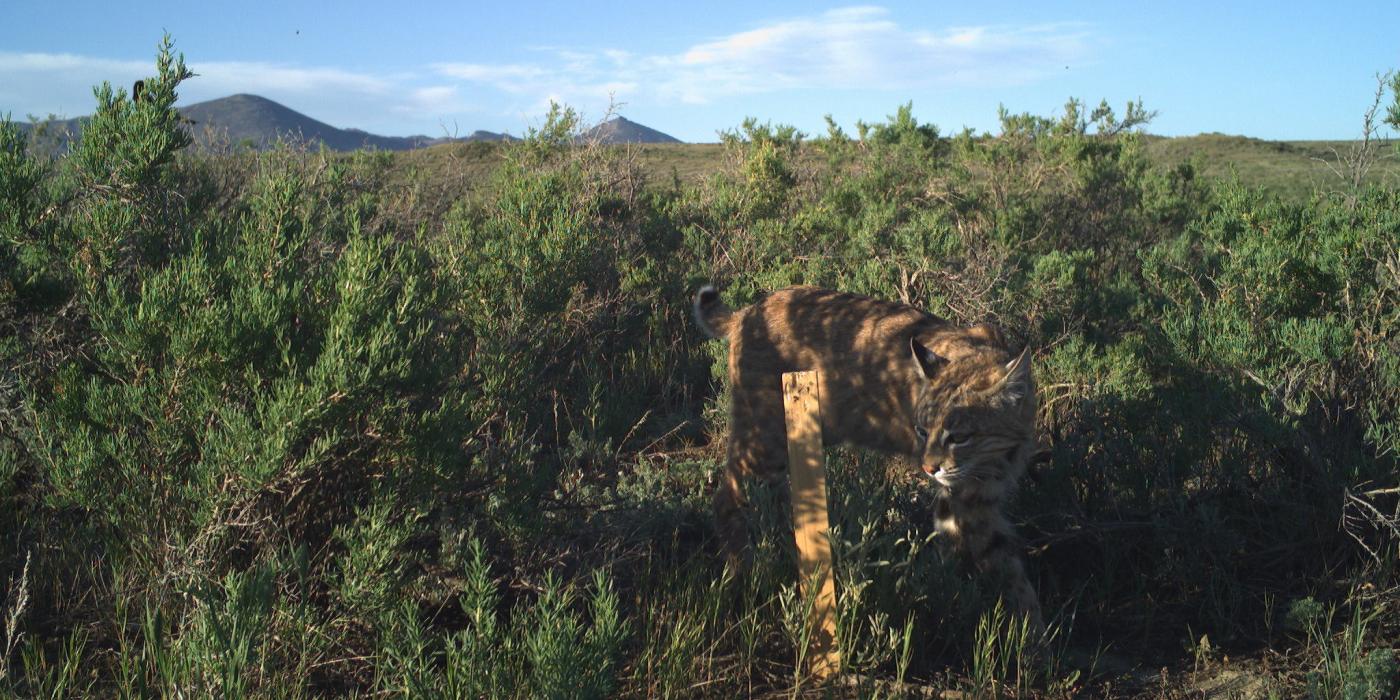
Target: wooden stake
(807,473)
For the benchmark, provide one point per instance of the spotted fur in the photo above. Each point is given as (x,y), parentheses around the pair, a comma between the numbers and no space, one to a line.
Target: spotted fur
(892,378)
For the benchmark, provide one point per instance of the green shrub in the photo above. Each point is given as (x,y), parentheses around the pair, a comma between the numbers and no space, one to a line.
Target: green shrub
(269,426)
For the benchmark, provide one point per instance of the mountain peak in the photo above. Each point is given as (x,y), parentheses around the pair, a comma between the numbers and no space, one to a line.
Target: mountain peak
(261,121)
(245,118)
(620,129)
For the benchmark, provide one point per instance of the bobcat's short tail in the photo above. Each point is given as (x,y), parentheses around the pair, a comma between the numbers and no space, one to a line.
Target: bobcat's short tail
(713,315)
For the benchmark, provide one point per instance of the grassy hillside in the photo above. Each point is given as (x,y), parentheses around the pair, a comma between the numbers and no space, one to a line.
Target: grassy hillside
(1291,169)
(291,424)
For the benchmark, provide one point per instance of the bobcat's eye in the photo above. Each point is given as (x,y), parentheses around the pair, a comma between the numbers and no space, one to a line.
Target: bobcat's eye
(951,439)
(921,432)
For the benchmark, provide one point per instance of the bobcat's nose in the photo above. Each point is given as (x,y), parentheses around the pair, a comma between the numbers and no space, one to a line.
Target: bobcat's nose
(933,460)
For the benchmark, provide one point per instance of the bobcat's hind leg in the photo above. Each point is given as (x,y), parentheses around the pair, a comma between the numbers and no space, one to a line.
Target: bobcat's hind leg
(757,449)
(729,507)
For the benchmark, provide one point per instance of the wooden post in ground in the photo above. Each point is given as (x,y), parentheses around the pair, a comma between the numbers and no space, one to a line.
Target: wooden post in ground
(807,473)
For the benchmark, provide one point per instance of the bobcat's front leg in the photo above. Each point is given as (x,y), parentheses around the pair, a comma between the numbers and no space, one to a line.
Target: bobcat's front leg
(980,532)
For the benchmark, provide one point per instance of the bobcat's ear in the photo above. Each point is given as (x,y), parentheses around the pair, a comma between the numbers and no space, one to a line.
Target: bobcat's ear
(1017,383)
(928,362)
(987,332)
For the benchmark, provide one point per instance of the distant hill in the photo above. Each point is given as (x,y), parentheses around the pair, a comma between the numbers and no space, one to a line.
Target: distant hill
(256,120)
(241,118)
(262,122)
(56,132)
(621,130)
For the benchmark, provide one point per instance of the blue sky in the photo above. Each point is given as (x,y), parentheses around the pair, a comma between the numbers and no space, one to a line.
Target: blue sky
(1277,70)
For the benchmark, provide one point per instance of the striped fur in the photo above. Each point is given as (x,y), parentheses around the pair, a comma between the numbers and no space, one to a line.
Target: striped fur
(891,378)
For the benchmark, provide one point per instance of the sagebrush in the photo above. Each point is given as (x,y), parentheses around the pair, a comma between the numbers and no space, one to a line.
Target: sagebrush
(273,424)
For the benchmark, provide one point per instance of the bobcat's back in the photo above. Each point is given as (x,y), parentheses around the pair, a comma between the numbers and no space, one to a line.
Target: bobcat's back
(859,347)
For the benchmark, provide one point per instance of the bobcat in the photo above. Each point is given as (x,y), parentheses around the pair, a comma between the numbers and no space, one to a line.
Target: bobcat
(892,378)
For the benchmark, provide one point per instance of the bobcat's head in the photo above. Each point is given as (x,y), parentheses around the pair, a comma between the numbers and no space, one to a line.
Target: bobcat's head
(974,420)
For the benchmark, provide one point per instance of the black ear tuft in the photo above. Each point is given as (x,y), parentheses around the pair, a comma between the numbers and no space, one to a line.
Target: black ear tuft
(929,362)
(708,295)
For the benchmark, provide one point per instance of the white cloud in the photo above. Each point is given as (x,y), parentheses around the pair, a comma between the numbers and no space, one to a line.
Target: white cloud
(265,78)
(847,48)
(863,47)
(212,76)
(62,84)
(435,102)
(440,94)
(63,62)
(42,83)
(503,76)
